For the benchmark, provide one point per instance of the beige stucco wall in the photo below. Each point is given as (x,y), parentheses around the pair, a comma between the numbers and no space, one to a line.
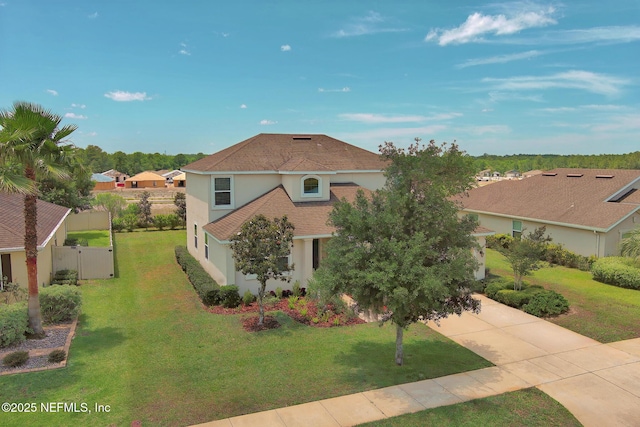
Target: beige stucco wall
(583,242)
(88,220)
(293,185)
(369,180)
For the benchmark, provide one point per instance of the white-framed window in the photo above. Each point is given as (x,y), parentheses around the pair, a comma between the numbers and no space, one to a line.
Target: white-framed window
(223,192)
(517,229)
(206,246)
(311,186)
(195,235)
(282,261)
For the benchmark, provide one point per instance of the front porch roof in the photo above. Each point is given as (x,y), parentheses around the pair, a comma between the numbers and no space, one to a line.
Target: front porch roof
(309,218)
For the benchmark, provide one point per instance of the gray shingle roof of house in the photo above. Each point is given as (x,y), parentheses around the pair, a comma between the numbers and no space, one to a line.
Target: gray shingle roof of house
(98,177)
(577,197)
(309,218)
(12,225)
(287,152)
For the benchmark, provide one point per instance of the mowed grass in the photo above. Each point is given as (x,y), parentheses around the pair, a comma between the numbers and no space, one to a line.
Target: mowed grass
(528,407)
(146,347)
(99,238)
(603,312)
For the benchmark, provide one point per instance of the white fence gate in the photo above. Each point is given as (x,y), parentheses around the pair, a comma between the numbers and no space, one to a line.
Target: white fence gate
(89,262)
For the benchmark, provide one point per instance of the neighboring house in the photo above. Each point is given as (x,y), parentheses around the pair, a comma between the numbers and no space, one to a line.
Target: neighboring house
(512,174)
(300,176)
(532,173)
(588,211)
(180,180)
(51,231)
(170,175)
(103,182)
(484,175)
(118,176)
(145,180)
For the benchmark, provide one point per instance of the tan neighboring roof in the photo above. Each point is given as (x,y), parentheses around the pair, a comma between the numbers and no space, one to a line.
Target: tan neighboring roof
(146,176)
(113,172)
(580,200)
(309,218)
(532,173)
(50,216)
(275,152)
(181,177)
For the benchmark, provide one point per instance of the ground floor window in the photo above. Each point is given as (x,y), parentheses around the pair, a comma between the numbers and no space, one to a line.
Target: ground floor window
(517,229)
(206,246)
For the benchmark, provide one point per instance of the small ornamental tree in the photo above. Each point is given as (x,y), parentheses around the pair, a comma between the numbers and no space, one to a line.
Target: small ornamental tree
(262,248)
(145,210)
(524,255)
(180,200)
(404,252)
(112,203)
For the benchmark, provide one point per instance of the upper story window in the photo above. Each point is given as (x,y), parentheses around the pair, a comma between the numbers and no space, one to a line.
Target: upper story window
(223,192)
(311,186)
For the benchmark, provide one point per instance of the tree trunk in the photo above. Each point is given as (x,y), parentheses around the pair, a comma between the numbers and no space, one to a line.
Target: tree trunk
(399,350)
(31,250)
(263,286)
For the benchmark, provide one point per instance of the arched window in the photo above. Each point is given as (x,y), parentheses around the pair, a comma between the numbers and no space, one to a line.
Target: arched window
(311,186)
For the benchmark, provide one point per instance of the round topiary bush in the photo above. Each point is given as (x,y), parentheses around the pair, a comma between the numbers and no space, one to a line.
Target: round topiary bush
(15,359)
(57,356)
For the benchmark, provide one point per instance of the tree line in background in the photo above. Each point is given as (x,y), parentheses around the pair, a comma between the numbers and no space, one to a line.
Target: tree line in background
(97,161)
(527,162)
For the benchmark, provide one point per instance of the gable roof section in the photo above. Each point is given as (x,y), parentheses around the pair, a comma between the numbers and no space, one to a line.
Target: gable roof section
(50,217)
(146,176)
(573,197)
(273,152)
(309,218)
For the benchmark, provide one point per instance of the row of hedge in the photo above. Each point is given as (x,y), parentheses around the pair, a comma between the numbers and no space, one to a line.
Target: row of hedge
(553,253)
(617,271)
(532,299)
(206,288)
(58,304)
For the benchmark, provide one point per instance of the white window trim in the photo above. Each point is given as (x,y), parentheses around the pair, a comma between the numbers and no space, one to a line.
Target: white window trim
(286,273)
(213,192)
(316,195)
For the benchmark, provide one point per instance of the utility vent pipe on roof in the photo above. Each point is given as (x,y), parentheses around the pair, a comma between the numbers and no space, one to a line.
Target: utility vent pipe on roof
(574,175)
(302,138)
(604,176)
(549,174)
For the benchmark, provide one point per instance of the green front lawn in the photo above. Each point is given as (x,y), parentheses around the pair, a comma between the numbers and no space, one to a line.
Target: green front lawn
(603,312)
(146,347)
(98,238)
(529,407)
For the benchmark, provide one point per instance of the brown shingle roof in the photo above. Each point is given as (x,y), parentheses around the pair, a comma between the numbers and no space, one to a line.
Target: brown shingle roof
(579,201)
(309,218)
(271,152)
(12,224)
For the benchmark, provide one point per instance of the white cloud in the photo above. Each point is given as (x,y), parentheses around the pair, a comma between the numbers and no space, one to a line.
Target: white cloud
(94,15)
(481,130)
(575,79)
(122,96)
(371,23)
(75,116)
(82,106)
(500,59)
(52,92)
(267,122)
(243,106)
(477,25)
(184,50)
(617,34)
(344,89)
(381,118)
(285,48)
(389,134)
(92,134)
(628,122)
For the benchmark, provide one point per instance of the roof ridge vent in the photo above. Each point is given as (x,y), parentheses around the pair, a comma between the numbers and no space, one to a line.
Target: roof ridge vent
(575,175)
(605,176)
(302,138)
(549,174)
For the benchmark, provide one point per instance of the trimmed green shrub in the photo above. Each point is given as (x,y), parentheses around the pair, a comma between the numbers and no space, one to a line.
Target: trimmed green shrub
(161,221)
(117,224)
(174,221)
(546,303)
(15,359)
(495,285)
(60,303)
(57,356)
(248,298)
(229,296)
(499,241)
(554,253)
(617,271)
(206,288)
(65,277)
(279,292)
(512,298)
(74,241)
(14,323)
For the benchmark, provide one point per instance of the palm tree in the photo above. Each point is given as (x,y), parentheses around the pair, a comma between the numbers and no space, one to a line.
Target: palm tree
(630,245)
(32,145)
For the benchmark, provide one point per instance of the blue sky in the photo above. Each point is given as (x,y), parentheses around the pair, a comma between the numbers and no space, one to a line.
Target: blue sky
(198,76)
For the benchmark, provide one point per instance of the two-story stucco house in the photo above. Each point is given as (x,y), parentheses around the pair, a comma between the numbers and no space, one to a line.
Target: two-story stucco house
(300,176)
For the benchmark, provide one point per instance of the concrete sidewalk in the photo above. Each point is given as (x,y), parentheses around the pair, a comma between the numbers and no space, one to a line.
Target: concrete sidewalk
(598,383)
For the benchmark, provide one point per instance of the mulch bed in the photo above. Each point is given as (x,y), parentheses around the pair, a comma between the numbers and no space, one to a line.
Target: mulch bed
(311,318)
